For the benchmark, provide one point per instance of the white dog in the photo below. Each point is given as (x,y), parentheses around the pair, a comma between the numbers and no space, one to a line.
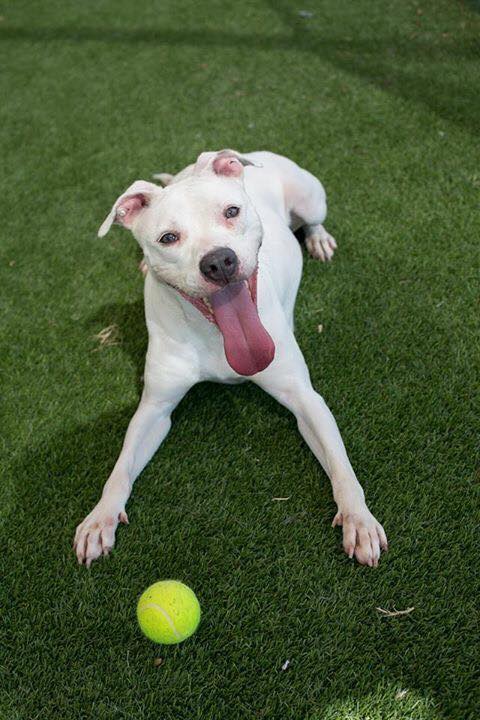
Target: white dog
(223,269)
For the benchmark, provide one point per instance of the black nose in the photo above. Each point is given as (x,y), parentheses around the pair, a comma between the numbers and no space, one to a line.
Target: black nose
(219,266)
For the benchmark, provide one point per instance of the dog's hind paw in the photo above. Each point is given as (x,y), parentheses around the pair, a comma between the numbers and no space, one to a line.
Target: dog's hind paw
(320,244)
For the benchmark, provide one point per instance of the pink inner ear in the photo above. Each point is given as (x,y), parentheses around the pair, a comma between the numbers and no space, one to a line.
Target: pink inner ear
(129,207)
(228,165)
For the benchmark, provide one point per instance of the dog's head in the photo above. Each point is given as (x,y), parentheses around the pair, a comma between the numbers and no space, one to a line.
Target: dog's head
(201,235)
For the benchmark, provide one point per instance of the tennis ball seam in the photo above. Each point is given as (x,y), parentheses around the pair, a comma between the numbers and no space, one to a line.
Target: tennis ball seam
(167,617)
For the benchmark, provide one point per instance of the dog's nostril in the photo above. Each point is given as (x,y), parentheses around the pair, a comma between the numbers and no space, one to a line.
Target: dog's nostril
(213,268)
(228,262)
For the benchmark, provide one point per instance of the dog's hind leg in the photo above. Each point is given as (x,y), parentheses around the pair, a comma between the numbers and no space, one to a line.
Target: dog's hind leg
(306,203)
(165,178)
(311,207)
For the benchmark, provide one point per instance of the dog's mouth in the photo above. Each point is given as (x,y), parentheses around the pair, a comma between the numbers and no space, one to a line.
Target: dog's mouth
(249,349)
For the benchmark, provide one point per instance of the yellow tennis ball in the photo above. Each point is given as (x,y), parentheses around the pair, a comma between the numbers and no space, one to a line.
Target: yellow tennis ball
(168,612)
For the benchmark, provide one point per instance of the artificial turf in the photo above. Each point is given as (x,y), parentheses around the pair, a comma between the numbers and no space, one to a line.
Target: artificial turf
(381,101)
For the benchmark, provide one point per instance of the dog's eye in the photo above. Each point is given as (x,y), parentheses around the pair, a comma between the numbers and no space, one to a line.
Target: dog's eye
(168,238)
(232,211)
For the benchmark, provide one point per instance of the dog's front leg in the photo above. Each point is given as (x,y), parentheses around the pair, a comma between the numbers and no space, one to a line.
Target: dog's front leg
(288,381)
(95,536)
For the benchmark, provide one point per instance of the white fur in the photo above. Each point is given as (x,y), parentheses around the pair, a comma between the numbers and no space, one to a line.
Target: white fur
(276,197)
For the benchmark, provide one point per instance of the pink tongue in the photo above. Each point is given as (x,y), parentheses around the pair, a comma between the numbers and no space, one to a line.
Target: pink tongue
(248,347)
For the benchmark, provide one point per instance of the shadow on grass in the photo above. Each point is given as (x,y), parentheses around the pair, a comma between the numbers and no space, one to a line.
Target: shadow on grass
(71,635)
(58,616)
(130,320)
(474,5)
(396,64)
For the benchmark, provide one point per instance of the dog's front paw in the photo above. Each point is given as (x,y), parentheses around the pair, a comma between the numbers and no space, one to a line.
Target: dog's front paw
(95,536)
(363,536)
(320,244)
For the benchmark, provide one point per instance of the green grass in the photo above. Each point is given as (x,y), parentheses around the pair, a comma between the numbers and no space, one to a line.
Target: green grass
(381,100)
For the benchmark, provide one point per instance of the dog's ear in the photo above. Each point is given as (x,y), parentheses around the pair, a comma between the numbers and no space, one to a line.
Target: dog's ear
(227,163)
(128,206)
